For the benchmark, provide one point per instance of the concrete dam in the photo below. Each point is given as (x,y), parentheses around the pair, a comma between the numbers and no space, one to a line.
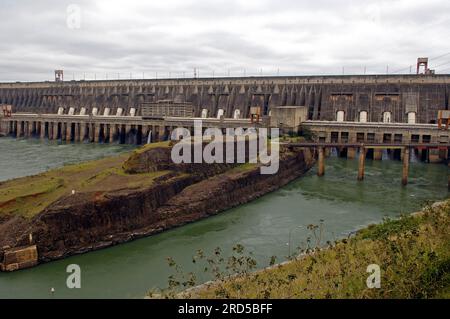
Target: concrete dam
(371,98)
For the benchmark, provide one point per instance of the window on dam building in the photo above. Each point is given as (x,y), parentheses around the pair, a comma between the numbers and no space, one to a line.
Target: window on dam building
(363,116)
(340,116)
(411,118)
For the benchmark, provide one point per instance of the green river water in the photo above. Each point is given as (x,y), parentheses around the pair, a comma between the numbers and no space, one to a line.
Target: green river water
(262,226)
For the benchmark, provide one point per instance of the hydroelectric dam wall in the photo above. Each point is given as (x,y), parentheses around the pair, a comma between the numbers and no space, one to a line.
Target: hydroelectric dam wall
(324,96)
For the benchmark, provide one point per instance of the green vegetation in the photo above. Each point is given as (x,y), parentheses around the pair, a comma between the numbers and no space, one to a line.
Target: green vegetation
(164,144)
(244,167)
(413,253)
(29,196)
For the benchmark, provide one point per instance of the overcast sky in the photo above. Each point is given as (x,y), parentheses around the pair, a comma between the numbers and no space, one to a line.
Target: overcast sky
(289,37)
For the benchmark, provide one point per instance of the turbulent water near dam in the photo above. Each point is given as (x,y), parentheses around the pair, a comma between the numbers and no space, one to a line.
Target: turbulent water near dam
(262,226)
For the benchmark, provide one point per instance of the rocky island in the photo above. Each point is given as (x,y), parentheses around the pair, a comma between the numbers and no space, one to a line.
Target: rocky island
(96,204)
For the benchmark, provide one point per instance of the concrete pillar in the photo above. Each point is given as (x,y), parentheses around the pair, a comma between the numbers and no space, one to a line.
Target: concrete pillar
(377,154)
(55,130)
(351,153)
(82,131)
(42,130)
(30,128)
(321,162)
(127,132)
(76,138)
(361,163)
(68,132)
(97,133)
(112,132)
(161,131)
(405,166)
(25,128)
(50,130)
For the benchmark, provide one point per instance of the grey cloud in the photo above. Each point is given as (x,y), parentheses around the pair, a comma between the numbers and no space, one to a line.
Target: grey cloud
(297,37)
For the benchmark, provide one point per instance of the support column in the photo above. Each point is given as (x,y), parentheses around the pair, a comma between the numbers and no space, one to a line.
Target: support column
(321,162)
(112,132)
(55,130)
(63,131)
(82,131)
(30,129)
(161,131)
(10,127)
(68,132)
(405,166)
(42,130)
(91,132)
(362,163)
(76,138)
(26,128)
(97,133)
(127,132)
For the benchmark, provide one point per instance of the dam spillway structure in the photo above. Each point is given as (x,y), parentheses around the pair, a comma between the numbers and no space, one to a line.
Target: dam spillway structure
(358,108)
(372,98)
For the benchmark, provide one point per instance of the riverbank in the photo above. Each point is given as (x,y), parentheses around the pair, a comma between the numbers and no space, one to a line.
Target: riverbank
(97,204)
(413,254)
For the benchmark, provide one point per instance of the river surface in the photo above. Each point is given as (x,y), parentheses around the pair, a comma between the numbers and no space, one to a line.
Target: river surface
(262,226)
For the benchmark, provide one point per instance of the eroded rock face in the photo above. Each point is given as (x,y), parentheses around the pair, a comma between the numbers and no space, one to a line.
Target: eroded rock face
(94,220)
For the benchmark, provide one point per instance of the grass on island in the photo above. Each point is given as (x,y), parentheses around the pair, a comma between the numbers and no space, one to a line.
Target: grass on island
(28,196)
(146,147)
(413,253)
